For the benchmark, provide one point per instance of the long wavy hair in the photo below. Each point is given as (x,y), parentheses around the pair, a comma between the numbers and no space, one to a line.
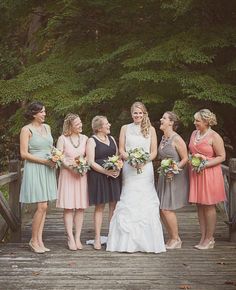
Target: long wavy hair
(145,124)
(67,125)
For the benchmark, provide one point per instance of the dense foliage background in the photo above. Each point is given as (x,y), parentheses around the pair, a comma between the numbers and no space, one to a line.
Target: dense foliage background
(98,56)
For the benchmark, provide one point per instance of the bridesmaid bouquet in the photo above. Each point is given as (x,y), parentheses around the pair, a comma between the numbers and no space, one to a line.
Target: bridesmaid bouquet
(80,165)
(197,162)
(113,163)
(136,157)
(56,156)
(168,168)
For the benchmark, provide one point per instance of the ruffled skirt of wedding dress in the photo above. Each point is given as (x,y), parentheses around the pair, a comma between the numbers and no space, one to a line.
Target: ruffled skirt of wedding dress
(135,225)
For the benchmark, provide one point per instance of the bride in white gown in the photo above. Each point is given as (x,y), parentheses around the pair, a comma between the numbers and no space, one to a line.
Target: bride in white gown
(135,225)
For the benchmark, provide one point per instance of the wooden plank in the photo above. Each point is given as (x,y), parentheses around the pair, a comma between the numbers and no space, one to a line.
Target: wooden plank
(213,269)
(7,214)
(14,196)
(3,228)
(7,178)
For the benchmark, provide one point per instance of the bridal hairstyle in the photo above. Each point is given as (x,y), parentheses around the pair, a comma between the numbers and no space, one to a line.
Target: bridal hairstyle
(173,118)
(33,109)
(67,125)
(146,124)
(207,116)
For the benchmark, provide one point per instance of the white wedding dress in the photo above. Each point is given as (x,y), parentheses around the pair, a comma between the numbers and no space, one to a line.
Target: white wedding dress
(135,225)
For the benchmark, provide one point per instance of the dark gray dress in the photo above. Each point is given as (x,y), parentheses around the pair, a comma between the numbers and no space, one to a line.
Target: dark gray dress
(173,194)
(103,189)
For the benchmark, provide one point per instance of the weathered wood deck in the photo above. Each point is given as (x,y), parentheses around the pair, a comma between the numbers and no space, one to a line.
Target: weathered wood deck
(185,268)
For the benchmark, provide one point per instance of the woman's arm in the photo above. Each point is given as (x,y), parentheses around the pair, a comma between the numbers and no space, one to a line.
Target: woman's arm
(25,136)
(90,153)
(115,144)
(122,150)
(153,145)
(219,149)
(61,147)
(182,150)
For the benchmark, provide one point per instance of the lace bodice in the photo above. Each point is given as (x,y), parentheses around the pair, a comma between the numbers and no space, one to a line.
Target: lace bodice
(134,138)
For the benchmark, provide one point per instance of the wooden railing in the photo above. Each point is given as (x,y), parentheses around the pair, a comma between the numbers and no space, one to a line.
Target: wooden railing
(11,210)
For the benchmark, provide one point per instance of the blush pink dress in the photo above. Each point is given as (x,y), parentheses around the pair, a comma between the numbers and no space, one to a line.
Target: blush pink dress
(206,187)
(72,187)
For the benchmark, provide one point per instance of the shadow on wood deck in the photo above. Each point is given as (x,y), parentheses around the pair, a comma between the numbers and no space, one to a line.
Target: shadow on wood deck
(185,268)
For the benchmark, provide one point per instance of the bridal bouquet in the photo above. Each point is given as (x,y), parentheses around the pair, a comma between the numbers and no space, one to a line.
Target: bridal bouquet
(113,163)
(136,157)
(168,168)
(80,165)
(197,162)
(56,156)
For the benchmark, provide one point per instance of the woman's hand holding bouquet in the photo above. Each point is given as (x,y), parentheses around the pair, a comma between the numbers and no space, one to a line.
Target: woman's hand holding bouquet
(113,164)
(198,162)
(137,158)
(80,165)
(56,156)
(168,168)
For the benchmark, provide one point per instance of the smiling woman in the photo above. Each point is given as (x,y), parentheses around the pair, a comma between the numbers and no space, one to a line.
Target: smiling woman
(39,179)
(72,187)
(103,184)
(206,185)
(135,225)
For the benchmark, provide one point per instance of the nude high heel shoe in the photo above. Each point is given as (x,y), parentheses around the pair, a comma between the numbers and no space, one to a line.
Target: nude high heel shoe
(35,249)
(210,245)
(177,244)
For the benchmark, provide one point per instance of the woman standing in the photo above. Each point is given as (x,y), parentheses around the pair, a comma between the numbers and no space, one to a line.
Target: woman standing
(103,185)
(39,179)
(72,187)
(135,225)
(172,189)
(207,187)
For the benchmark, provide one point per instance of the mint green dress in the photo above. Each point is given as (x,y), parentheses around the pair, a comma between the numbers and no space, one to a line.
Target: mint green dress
(39,180)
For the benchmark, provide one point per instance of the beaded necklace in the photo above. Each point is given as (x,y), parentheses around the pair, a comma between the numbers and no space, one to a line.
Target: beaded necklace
(72,142)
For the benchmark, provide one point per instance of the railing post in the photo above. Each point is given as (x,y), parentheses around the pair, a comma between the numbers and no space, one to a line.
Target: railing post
(232,200)
(14,194)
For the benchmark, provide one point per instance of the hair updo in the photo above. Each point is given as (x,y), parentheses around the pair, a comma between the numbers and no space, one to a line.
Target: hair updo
(32,109)
(145,124)
(67,125)
(207,116)
(97,123)
(173,118)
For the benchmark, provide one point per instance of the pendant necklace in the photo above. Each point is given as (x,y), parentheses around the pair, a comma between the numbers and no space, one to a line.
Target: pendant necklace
(72,142)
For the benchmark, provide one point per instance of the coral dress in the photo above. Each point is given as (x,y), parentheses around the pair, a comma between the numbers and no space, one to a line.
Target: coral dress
(72,187)
(206,187)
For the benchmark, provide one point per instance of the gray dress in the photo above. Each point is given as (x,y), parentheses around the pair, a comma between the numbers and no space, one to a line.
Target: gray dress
(173,194)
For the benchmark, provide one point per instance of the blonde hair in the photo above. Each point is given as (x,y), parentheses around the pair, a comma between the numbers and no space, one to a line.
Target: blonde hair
(145,124)
(67,125)
(97,123)
(207,116)
(173,118)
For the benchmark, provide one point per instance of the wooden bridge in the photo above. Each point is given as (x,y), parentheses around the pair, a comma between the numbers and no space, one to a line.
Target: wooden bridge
(185,268)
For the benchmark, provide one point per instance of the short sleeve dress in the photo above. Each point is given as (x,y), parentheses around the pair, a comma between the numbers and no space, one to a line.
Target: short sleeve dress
(206,187)
(39,180)
(173,194)
(72,187)
(103,189)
